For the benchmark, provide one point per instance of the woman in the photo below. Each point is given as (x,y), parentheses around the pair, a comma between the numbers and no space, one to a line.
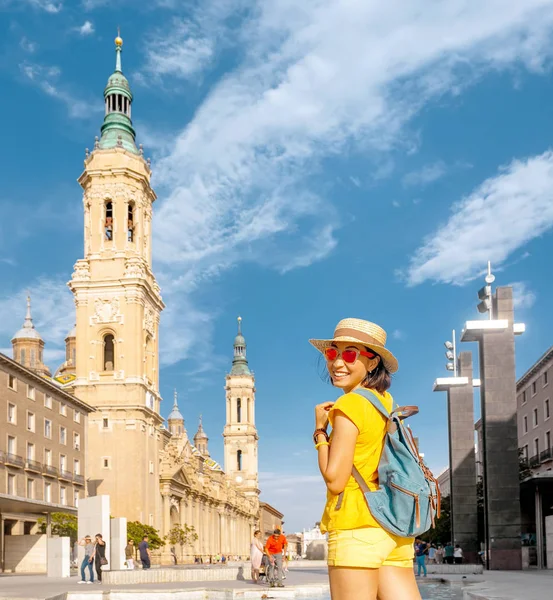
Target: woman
(129,554)
(256,553)
(365,561)
(99,555)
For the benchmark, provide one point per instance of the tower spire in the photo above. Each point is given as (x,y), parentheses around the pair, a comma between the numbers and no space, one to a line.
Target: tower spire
(175,420)
(239,362)
(28,318)
(118,50)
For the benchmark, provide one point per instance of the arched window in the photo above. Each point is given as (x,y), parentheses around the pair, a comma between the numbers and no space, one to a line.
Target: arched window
(22,356)
(239,460)
(74,356)
(109,352)
(130,222)
(33,358)
(108,225)
(239,410)
(149,359)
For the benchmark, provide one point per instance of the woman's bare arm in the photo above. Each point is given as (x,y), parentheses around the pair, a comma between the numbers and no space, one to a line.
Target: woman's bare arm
(336,461)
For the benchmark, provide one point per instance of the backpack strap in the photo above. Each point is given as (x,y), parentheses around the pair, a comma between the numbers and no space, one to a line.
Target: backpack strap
(374,400)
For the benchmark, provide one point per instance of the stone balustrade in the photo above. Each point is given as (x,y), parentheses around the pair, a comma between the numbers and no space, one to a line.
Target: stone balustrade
(237,571)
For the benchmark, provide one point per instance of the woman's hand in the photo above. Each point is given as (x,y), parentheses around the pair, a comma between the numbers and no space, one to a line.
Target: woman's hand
(321,414)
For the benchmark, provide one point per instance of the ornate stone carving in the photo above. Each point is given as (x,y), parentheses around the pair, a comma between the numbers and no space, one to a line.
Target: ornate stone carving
(175,502)
(106,310)
(149,321)
(82,271)
(134,268)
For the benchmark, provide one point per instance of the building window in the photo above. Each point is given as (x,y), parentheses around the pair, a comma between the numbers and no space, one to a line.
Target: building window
(546,409)
(12,445)
(63,435)
(130,222)
(76,441)
(545,381)
(239,460)
(63,495)
(535,417)
(12,488)
(33,358)
(525,452)
(108,225)
(239,410)
(30,488)
(12,382)
(77,466)
(525,424)
(151,520)
(75,498)
(23,356)
(30,392)
(534,388)
(12,414)
(547,440)
(524,397)
(48,457)
(105,423)
(106,462)
(30,421)
(536,447)
(77,416)
(109,353)
(48,401)
(151,467)
(30,451)
(63,409)
(47,492)
(63,462)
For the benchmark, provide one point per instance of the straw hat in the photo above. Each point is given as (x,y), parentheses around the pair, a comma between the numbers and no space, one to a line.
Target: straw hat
(361,332)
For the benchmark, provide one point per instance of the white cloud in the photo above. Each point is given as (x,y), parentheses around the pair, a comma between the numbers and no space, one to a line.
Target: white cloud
(28,45)
(397,334)
(87,28)
(523,296)
(427,174)
(46,78)
(233,184)
(501,215)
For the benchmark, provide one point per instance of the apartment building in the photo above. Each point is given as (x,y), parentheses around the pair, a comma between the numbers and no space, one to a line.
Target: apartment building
(534,412)
(42,447)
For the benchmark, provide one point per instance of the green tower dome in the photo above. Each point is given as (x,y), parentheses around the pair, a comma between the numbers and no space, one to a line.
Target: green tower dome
(239,362)
(117,129)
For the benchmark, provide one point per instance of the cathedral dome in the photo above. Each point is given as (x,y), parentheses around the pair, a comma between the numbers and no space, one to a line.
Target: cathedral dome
(175,414)
(28,331)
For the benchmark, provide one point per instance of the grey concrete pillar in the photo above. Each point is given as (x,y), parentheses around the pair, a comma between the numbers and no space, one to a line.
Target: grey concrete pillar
(502,517)
(462,462)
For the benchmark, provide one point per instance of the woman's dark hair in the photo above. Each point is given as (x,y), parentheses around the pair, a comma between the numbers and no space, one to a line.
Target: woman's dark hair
(257,531)
(379,379)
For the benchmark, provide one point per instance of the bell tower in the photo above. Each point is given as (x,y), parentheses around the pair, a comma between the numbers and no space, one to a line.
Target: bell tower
(240,435)
(118,306)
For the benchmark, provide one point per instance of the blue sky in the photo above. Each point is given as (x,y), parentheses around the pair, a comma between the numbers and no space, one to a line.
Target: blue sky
(313,161)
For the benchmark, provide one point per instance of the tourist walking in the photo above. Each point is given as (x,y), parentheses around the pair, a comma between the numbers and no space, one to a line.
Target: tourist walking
(448,553)
(99,555)
(143,549)
(274,547)
(458,554)
(439,554)
(365,560)
(256,555)
(129,554)
(421,548)
(432,554)
(86,542)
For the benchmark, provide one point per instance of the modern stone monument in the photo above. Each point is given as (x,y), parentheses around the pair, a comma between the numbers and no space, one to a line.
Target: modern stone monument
(496,345)
(94,517)
(462,462)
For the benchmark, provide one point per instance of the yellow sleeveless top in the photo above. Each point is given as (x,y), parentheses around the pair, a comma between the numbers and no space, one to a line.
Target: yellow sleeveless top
(354,512)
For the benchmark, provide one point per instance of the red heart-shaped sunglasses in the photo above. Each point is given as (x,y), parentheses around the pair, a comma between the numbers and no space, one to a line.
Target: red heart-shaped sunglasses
(349,355)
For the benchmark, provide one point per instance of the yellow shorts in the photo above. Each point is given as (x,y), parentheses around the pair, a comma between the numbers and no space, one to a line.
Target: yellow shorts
(369,548)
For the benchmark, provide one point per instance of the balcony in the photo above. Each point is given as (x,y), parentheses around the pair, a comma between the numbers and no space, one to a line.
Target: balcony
(50,471)
(14,461)
(78,479)
(33,465)
(66,475)
(534,461)
(546,455)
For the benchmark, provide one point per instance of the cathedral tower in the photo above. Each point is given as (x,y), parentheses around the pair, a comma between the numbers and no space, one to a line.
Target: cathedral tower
(28,346)
(118,305)
(175,420)
(240,434)
(201,441)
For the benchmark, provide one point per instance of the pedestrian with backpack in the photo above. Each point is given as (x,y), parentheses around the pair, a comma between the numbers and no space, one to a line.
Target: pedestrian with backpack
(380,496)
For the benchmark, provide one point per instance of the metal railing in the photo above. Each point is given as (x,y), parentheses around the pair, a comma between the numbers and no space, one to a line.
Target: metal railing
(14,460)
(534,461)
(67,475)
(50,470)
(78,479)
(33,465)
(546,454)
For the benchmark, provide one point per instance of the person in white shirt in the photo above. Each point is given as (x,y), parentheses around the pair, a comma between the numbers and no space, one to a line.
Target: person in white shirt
(458,554)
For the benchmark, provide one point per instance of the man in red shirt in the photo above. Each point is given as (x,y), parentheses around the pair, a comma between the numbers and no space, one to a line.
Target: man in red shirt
(276,544)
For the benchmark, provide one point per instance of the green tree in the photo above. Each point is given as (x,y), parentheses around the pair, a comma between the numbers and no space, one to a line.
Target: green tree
(63,524)
(136,531)
(184,535)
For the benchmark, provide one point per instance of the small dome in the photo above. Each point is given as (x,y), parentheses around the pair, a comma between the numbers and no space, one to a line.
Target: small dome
(117,80)
(27,333)
(239,340)
(175,415)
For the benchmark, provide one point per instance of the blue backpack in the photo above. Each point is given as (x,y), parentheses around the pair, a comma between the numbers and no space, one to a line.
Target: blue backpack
(408,497)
